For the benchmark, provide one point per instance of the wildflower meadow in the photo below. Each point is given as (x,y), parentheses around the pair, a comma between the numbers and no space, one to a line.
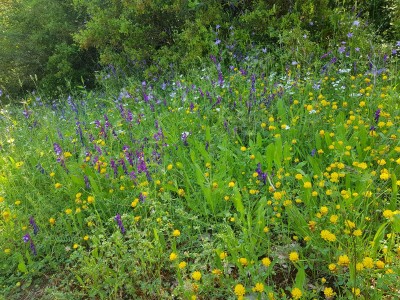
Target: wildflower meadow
(241,179)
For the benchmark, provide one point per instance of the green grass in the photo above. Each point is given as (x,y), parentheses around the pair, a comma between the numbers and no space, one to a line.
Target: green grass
(267,185)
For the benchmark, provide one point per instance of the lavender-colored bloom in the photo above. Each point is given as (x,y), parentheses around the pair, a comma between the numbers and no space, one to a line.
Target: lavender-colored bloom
(114,167)
(377,115)
(350,35)
(57,149)
(313,152)
(356,23)
(261,175)
(357,49)
(342,49)
(119,222)
(34,225)
(87,182)
(217,42)
(398,43)
(27,238)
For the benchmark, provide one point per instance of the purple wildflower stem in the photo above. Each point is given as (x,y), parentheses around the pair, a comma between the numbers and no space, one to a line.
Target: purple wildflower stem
(119,222)
(34,225)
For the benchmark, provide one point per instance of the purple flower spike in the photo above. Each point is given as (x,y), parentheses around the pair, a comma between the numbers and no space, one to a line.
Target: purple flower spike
(119,222)
(34,225)
(377,114)
(27,238)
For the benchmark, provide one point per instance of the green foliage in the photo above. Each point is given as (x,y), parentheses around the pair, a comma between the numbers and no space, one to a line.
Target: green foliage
(38,51)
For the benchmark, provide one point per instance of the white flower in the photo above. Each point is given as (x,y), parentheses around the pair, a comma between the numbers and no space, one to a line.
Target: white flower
(313,111)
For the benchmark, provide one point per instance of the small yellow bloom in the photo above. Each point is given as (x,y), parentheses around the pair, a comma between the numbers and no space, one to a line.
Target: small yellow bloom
(58,185)
(328,292)
(266,262)
(176,233)
(223,255)
(293,256)
(7,251)
(343,260)
(231,184)
(296,293)
(68,211)
(90,199)
(307,185)
(52,221)
(182,265)
(75,246)
(243,261)
(196,275)
(259,287)
(173,256)
(380,264)
(240,290)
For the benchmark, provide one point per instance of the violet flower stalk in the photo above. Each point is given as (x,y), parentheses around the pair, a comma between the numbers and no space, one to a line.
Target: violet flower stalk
(34,225)
(27,238)
(119,222)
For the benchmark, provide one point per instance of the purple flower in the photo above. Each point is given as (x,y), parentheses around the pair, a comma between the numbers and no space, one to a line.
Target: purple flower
(377,114)
(34,225)
(27,238)
(87,182)
(119,222)
(398,43)
(342,49)
(350,35)
(356,23)
(217,42)
(57,149)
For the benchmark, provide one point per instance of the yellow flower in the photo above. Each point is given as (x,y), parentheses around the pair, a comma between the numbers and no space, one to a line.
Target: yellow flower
(328,292)
(259,287)
(223,255)
(356,291)
(86,238)
(332,267)
(328,236)
(243,148)
(380,264)
(357,232)
(359,266)
(307,185)
(231,184)
(169,167)
(173,256)
(90,199)
(216,272)
(19,164)
(181,192)
(52,221)
(75,246)
(196,275)
(298,176)
(182,265)
(266,262)
(343,260)
(296,293)
(388,213)
(58,185)
(68,211)
(1,199)
(323,210)
(243,261)
(176,233)
(293,256)
(333,218)
(135,202)
(240,290)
